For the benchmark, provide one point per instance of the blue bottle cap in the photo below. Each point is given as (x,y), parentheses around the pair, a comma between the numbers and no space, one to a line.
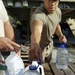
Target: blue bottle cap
(33,67)
(62,45)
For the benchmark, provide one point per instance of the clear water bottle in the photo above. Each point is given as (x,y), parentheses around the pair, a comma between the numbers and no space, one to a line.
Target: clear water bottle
(62,58)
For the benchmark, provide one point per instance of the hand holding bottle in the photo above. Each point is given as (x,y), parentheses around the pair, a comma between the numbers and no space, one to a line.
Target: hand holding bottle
(62,39)
(35,54)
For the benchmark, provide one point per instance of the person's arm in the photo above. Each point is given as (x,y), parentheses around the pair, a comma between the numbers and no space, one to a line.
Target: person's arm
(9,32)
(7,41)
(58,31)
(36,33)
(60,35)
(36,30)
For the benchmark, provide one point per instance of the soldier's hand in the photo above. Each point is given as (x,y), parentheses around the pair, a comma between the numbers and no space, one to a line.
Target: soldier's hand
(35,54)
(62,39)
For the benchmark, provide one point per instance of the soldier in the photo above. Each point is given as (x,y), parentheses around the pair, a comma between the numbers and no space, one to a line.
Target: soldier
(44,23)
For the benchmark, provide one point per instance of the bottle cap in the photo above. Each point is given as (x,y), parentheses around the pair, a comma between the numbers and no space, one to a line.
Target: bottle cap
(34,65)
(62,45)
(3,67)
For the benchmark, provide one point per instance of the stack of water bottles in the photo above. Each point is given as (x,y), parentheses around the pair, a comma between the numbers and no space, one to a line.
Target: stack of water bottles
(62,58)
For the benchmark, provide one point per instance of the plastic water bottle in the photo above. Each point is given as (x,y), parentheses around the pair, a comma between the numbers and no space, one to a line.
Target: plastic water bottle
(62,58)
(15,65)
(34,69)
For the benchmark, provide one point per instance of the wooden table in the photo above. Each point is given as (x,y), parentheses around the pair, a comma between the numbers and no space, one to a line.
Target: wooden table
(50,69)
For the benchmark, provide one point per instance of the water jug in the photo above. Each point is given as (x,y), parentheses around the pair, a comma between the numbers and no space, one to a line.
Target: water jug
(14,64)
(62,58)
(34,69)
